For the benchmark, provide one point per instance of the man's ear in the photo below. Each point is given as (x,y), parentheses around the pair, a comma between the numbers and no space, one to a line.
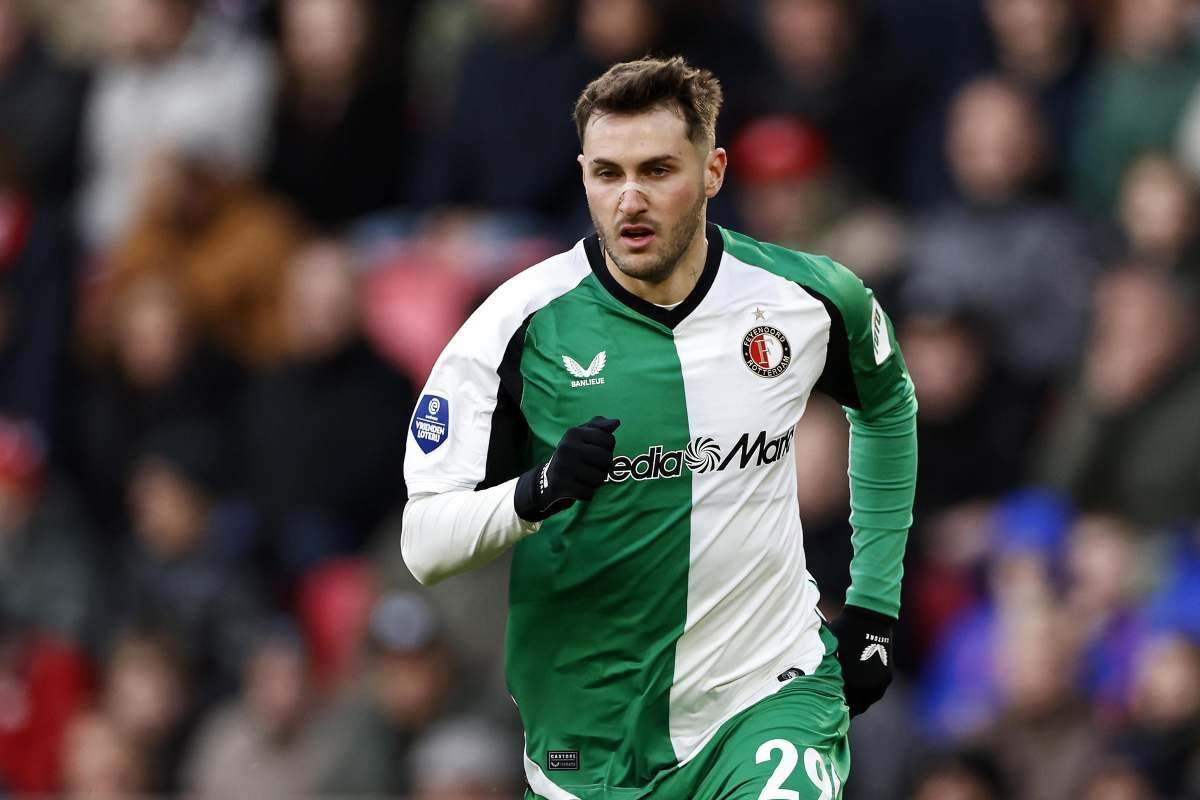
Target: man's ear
(714,171)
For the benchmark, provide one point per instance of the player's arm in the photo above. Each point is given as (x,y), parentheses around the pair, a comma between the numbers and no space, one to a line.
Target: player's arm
(472,491)
(865,372)
(453,531)
(449,532)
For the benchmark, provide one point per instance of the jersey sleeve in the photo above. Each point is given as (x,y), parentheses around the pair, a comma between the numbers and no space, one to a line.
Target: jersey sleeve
(467,431)
(468,438)
(467,442)
(865,372)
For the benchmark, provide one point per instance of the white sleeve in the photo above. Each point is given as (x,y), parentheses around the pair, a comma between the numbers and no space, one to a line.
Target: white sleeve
(468,437)
(451,532)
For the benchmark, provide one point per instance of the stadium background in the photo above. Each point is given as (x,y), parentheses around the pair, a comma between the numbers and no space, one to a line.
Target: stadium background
(235,234)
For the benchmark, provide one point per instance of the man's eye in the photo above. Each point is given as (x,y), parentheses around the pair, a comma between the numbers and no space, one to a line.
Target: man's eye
(606,174)
(659,172)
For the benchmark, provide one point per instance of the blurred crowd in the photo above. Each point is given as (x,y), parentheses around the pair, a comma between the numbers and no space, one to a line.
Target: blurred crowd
(234,234)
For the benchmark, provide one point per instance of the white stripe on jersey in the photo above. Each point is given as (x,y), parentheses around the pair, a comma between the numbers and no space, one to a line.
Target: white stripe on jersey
(750,602)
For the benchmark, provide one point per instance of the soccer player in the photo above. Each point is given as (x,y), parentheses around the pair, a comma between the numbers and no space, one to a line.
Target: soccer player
(621,415)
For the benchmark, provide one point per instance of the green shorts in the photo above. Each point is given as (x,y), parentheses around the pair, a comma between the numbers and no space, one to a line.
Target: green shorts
(790,746)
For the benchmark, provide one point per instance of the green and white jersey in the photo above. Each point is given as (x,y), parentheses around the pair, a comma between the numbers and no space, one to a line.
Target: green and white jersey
(678,596)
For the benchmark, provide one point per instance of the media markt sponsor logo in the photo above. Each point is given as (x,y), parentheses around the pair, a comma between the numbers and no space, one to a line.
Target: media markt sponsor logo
(702,454)
(586,376)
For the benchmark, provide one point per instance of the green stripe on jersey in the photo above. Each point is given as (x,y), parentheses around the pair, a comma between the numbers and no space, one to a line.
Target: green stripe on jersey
(599,597)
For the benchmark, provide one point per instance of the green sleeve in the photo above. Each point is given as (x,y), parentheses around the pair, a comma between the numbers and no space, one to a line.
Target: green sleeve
(866,373)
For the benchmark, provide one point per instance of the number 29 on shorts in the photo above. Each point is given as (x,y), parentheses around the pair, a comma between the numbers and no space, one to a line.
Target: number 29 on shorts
(821,773)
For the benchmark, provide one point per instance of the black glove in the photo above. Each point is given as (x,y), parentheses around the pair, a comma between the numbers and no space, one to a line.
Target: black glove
(865,652)
(576,470)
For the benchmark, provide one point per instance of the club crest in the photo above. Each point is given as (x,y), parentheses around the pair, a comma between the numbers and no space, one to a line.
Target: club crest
(766,351)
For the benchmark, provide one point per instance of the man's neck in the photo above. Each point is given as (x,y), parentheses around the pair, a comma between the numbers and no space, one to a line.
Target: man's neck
(678,285)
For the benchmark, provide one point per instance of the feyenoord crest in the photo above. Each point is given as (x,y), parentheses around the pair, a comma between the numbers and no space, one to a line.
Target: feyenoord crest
(766,351)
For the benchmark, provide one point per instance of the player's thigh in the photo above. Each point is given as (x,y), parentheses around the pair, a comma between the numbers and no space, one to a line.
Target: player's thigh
(791,747)
(784,768)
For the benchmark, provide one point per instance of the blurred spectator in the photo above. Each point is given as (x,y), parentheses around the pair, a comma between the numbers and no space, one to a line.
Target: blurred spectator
(1117,780)
(44,682)
(975,424)
(1042,46)
(1157,213)
(465,759)
(1040,709)
(40,107)
(48,579)
(1164,736)
(837,70)
(225,241)
(786,192)
(146,698)
(789,191)
(101,763)
(173,79)
(154,368)
(340,138)
(619,30)
(36,297)
(1018,543)
(1104,573)
(498,121)
(326,429)
(333,603)
(262,745)
(947,43)
(1125,438)
(440,33)
(371,733)
(1137,97)
(874,238)
(175,578)
(987,255)
(965,775)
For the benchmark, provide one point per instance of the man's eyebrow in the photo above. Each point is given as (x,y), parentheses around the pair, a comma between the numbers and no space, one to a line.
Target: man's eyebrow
(604,162)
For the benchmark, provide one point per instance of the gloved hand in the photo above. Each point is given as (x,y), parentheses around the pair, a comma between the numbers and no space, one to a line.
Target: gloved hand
(575,471)
(865,653)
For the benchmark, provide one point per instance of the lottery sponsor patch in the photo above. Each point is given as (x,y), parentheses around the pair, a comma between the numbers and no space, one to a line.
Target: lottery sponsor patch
(431,423)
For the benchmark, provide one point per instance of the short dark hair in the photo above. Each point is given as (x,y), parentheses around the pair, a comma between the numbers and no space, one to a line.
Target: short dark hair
(652,83)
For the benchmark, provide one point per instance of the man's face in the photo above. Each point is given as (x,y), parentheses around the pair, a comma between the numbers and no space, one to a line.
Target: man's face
(994,142)
(647,185)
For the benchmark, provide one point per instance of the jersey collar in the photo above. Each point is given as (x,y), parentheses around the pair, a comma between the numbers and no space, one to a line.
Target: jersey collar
(669,317)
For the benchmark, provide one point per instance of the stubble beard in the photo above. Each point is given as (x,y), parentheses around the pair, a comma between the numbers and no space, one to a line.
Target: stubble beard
(675,244)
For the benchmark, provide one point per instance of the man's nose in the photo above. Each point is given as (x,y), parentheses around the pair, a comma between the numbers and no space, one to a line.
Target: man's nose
(633,200)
